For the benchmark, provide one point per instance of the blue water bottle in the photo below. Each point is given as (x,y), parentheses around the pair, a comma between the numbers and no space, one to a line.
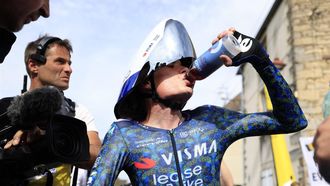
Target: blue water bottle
(209,61)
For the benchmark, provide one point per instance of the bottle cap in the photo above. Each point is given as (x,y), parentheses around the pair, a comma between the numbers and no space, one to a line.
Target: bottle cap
(231,44)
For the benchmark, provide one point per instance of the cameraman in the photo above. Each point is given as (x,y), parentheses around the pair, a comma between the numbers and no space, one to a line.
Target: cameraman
(48,63)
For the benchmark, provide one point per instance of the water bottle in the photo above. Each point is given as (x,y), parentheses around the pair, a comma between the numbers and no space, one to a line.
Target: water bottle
(209,61)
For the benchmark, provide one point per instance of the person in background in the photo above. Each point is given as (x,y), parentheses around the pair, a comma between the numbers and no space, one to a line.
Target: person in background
(321,145)
(48,63)
(14,14)
(156,142)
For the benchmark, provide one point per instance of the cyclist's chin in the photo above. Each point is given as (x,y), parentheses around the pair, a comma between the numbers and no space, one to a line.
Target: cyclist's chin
(181,97)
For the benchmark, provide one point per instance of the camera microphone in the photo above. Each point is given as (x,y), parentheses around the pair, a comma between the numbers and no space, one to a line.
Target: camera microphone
(35,107)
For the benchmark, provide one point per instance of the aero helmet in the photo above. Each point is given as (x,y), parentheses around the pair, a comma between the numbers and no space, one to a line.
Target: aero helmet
(166,43)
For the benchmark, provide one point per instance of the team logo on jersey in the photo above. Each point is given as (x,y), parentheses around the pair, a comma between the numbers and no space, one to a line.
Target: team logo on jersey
(145,163)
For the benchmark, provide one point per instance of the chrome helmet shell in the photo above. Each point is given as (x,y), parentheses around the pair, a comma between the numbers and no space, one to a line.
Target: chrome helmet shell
(168,42)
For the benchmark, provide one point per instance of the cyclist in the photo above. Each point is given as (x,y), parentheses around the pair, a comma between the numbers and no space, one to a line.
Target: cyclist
(156,142)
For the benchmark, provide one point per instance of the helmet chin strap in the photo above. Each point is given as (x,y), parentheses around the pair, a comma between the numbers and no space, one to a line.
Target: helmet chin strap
(168,103)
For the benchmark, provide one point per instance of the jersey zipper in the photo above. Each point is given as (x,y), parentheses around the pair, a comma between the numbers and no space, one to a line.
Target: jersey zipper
(176,157)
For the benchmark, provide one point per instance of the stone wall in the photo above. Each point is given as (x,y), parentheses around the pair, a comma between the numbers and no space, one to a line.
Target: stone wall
(310,31)
(298,33)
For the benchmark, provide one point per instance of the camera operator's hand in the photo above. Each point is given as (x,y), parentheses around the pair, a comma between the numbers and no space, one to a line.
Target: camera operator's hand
(17,139)
(25,137)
